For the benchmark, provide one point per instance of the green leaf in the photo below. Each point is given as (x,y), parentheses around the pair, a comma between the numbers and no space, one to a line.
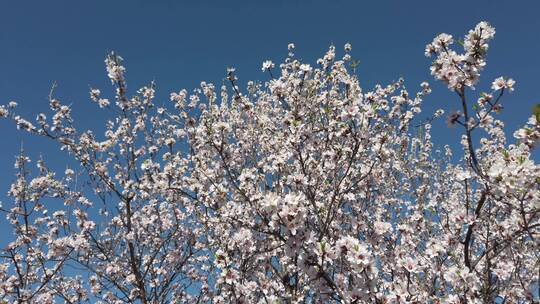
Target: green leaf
(536,109)
(536,112)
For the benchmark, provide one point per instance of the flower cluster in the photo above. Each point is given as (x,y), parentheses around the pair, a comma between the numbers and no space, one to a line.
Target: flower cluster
(460,70)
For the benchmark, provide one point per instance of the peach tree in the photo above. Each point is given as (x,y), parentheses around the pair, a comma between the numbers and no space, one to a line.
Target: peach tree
(304,188)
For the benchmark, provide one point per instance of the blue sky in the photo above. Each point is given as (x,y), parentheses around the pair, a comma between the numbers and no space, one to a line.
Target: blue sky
(180,43)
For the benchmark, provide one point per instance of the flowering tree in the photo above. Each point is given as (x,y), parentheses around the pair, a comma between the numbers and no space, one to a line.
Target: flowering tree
(304,188)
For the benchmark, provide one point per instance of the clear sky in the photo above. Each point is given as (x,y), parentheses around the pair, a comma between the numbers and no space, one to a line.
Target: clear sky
(180,43)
